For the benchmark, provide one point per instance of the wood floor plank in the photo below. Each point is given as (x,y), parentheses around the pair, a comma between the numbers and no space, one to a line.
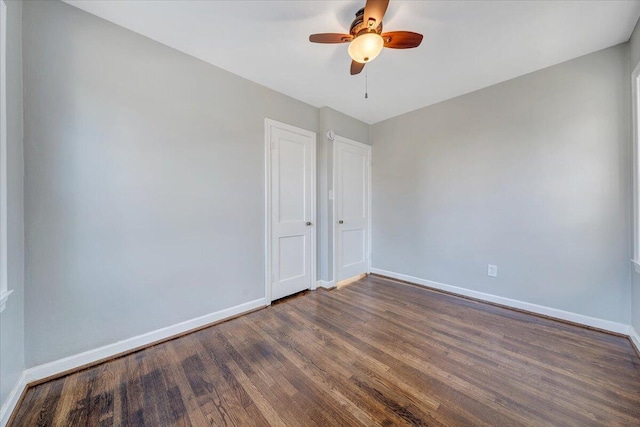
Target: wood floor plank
(376,352)
(131,391)
(249,357)
(294,363)
(67,400)
(241,407)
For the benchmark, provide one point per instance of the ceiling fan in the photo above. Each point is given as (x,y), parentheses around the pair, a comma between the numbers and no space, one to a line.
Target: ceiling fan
(366,38)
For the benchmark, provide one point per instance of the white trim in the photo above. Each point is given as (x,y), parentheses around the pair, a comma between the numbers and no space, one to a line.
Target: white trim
(594,322)
(4,188)
(344,140)
(77,360)
(635,83)
(326,284)
(12,400)
(634,337)
(369,209)
(4,296)
(267,211)
(636,265)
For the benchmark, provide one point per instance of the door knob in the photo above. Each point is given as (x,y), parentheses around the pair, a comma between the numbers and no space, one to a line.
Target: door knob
(341,222)
(308,223)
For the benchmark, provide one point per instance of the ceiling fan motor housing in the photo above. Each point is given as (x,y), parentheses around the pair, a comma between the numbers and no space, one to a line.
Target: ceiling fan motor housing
(358,26)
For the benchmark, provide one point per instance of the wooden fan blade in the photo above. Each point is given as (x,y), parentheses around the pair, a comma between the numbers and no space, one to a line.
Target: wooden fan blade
(375,9)
(401,39)
(330,38)
(356,67)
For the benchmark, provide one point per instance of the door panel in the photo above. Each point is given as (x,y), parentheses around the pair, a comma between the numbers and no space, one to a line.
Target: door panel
(353,184)
(354,249)
(291,179)
(293,251)
(351,209)
(292,154)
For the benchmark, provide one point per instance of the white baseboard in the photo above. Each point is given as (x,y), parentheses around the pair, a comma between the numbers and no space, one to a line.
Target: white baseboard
(12,400)
(59,366)
(326,284)
(594,322)
(634,337)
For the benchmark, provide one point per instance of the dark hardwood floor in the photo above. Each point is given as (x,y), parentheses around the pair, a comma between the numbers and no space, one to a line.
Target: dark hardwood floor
(374,353)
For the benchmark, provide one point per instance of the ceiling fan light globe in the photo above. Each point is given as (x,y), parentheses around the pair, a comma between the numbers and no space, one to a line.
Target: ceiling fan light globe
(366,47)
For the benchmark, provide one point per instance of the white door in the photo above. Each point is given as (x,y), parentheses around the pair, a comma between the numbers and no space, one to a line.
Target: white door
(351,184)
(292,156)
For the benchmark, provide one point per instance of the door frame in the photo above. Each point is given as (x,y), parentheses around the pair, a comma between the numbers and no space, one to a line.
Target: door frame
(343,140)
(268,279)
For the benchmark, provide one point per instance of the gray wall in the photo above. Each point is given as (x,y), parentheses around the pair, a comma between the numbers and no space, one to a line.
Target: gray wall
(532,175)
(348,127)
(12,318)
(144,184)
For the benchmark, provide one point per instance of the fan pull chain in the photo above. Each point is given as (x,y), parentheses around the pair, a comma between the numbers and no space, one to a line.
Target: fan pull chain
(366,83)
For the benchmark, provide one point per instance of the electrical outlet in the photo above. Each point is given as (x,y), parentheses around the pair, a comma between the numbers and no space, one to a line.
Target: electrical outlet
(492,270)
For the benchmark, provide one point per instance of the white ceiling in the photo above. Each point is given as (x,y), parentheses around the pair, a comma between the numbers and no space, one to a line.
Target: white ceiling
(468,45)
